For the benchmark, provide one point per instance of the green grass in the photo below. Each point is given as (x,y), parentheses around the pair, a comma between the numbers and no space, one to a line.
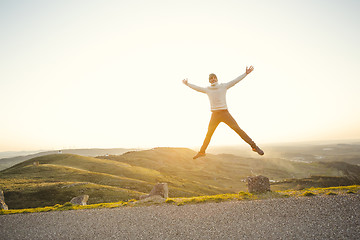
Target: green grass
(308,194)
(23,194)
(60,177)
(331,193)
(241,196)
(64,207)
(322,191)
(104,180)
(315,181)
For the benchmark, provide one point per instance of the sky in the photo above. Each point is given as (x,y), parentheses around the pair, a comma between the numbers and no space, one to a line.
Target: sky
(108,74)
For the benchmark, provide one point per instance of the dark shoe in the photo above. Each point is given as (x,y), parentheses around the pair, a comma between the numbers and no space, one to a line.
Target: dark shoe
(258,150)
(199,154)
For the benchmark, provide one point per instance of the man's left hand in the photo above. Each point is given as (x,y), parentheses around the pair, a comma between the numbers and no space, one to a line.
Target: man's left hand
(249,70)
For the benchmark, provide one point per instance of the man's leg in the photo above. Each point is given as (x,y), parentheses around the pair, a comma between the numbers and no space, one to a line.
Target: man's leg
(230,121)
(214,122)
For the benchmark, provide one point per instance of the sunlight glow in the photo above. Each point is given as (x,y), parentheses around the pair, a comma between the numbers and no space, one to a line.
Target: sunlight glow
(95,74)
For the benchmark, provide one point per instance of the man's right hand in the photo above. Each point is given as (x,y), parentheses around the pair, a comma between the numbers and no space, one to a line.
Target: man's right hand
(185,81)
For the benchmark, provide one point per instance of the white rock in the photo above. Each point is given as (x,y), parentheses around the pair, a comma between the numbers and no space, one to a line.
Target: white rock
(2,201)
(80,200)
(160,189)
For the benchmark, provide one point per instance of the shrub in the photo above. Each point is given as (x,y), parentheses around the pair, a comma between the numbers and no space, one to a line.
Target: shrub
(350,192)
(200,200)
(169,200)
(244,195)
(191,200)
(331,193)
(308,194)
(219,199)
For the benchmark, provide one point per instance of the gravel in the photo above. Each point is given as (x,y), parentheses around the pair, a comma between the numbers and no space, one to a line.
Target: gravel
(327,217)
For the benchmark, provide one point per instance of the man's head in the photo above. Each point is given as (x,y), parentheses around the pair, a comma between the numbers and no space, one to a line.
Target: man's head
(212,78)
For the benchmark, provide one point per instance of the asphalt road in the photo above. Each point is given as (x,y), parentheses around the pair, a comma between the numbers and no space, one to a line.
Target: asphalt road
(330,217)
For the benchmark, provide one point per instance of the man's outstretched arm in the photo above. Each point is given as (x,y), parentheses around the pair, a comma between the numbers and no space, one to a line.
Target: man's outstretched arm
(239,78)
(197,88)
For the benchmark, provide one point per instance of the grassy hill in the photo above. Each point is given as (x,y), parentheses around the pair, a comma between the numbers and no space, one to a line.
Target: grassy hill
(59,177)
(13,158)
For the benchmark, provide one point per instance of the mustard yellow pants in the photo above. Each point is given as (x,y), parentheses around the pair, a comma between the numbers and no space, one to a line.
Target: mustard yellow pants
(224,116)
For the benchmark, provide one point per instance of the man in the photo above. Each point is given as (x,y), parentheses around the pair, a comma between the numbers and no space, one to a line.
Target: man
(217,96)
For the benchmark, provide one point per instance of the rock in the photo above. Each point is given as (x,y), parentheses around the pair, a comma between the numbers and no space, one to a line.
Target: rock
(160,189)
(3,205)
(258,184)
(2,195)
(36,164)
(80,200)
(152,199)
(2,201)
(144,196)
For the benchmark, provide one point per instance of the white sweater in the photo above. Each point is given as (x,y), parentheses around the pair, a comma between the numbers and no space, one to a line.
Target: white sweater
(217,92)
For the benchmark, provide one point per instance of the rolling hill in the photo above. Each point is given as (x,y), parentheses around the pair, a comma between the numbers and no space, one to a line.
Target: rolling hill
(59,177)
(14,158)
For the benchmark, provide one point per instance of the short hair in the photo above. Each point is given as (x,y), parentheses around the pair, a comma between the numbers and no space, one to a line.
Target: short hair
(212,74)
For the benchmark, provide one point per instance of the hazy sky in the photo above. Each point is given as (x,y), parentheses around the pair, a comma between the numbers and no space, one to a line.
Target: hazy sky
(109,73)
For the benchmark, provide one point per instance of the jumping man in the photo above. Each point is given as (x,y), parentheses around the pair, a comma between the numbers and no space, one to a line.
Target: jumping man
(217,96)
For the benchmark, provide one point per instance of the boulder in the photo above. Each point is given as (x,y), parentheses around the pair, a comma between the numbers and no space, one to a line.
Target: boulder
(80,200)
(258,184)
(152,199)
(3,205)
(2,195)
(2,201)
(160,189)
